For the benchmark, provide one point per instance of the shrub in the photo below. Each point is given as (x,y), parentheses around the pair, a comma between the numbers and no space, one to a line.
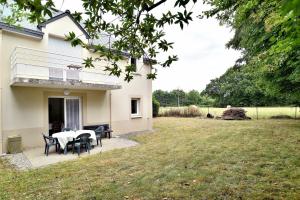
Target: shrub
(191,111)
(155,107)
(281,117)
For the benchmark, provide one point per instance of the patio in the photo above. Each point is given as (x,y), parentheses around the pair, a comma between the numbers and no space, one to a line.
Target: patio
(35,158)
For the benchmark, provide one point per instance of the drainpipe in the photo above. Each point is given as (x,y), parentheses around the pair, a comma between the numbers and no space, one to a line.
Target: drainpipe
(110,114)
(1,100)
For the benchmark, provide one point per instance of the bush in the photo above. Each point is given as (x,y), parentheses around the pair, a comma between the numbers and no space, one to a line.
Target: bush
(155,107)
(281,117)
(191,111)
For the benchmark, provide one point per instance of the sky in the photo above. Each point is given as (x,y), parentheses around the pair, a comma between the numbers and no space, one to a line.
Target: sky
(200,48)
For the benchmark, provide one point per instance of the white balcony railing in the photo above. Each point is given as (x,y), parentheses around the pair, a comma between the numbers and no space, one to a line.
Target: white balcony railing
(27,63)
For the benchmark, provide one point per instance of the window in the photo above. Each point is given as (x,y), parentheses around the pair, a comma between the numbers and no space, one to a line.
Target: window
(135,107)
(133,63)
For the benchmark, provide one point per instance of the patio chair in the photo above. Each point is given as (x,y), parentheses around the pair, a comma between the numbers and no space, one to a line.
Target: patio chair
(82,140)
(107,131)
(99,131)
(50,141)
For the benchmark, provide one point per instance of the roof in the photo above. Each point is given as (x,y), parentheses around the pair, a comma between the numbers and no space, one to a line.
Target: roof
(35,30)
(17,29)
(61,15)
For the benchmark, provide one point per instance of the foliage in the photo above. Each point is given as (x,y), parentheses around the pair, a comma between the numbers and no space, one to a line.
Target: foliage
(155,107)
(180,98)
(268,33)
(14,16)
(182,159)
(131,27)
(253,112)
(237,87)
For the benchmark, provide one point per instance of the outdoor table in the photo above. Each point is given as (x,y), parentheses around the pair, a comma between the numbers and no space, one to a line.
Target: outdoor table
(68,136)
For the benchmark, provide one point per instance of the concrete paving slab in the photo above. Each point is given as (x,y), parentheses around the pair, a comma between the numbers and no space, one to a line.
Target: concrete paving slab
(37,158)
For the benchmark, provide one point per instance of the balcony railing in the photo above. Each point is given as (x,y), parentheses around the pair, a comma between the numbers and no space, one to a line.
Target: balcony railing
(36,67)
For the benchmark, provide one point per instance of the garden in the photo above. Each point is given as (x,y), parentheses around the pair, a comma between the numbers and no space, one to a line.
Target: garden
(184,158)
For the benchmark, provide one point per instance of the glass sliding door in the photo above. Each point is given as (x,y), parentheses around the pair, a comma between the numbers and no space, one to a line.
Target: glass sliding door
(72,113)
(64,112)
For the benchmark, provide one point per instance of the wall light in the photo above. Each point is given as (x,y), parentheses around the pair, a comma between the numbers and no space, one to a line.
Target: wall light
(66,92)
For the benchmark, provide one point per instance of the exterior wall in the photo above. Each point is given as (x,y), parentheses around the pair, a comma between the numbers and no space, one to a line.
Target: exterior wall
(24,110)
(20,113)
(139,87)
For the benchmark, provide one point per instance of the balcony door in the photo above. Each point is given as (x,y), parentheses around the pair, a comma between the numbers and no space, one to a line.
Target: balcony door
(64,112)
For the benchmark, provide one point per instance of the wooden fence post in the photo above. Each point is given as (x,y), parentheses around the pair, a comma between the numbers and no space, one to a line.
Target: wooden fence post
(256,113)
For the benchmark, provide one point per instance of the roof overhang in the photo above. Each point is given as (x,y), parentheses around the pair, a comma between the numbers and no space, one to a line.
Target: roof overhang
(21,30)
(61,15)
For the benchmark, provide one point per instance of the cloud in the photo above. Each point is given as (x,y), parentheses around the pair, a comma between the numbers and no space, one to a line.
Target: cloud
(202,56)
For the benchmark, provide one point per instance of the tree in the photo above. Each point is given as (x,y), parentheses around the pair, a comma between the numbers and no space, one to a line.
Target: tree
(267,32)
(155,107)
(237,87)
(162,97)
(194,98)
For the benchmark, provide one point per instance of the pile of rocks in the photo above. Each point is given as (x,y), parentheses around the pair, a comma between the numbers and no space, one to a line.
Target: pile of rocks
(234,114)
(18,160)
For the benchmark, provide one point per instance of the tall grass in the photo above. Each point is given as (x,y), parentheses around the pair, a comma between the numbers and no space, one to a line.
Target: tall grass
(191,111)
(253,112)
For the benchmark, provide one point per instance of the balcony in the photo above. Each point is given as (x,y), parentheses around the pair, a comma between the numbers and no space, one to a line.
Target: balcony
(36,68)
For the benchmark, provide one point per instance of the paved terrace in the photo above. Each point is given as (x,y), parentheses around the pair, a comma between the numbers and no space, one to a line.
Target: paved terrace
(35,158)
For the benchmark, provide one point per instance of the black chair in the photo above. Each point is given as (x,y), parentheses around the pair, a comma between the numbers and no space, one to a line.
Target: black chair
(50,141)
(99,131)
(107,131)
(82,140)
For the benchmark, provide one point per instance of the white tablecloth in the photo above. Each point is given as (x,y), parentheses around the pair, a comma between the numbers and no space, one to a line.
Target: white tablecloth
(67,136)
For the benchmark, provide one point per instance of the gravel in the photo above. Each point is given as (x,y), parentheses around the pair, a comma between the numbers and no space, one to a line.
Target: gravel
(18,160)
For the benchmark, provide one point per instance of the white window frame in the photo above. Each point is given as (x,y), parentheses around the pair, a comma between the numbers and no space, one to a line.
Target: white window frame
(138,109)
(135,64)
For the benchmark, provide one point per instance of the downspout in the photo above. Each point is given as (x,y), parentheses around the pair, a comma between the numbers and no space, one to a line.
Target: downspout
(1,100)
(110,114)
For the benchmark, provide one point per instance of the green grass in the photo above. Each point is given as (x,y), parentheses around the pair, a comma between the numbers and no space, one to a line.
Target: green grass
(263,112)
(186,158)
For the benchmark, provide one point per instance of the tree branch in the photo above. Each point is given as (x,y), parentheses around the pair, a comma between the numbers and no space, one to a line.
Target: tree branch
(146,8)
(154,5)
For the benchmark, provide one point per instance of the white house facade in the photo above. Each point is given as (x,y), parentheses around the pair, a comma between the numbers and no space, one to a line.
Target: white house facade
(44,87)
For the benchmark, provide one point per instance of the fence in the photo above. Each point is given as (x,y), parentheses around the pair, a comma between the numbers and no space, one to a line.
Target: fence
(253,112)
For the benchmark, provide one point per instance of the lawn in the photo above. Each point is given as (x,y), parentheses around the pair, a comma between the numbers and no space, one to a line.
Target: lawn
(185,158)
(263,112)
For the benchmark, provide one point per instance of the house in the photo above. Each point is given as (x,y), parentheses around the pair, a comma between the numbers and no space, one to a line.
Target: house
(43,86)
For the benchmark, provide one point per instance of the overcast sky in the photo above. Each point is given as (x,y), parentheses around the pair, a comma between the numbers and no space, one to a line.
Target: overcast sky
(200,48)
